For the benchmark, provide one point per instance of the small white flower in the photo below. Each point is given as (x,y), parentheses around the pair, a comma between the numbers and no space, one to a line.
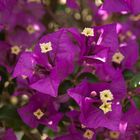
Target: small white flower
(88,32)
(106,95)
(106,107)
(15,50)
(45,47)
(118,58)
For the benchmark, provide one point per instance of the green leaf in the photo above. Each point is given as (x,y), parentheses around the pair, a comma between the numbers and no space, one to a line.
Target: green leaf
(135,81)
(49,132)
(128,74)
(4,77)
(126,104)
(61,8)
(66,84)
(25,138)
(137,65)
(10,117)
(89,76)
(2,35)
(11,87)
(137,101)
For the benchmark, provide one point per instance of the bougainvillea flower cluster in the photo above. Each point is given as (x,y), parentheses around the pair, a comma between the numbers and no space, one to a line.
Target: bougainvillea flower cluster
(69,70)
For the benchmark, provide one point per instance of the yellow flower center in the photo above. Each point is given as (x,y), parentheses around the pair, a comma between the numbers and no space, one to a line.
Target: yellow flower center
(38,114)
(114,134)
(15,50)
(30,29)
(46,47)
(88,134)
(88,32)
(106,95)
(118,58)
(106,107)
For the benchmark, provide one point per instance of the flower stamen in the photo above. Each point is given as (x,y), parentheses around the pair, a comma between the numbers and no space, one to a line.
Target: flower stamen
(88,32)
(114,134)
(118,58)
(30,29)
(88,134)
(106,107)
(38,114)
(15,50)
(46,47)
(106,95)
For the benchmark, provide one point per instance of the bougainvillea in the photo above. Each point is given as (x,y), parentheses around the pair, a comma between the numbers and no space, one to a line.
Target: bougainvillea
(69,70)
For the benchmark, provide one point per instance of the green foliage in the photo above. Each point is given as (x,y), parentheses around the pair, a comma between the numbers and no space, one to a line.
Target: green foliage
(125,105)
(128,74)
(10,118)
(4,77)
(135,81)
(137,101)
(64,86)
(89,76)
